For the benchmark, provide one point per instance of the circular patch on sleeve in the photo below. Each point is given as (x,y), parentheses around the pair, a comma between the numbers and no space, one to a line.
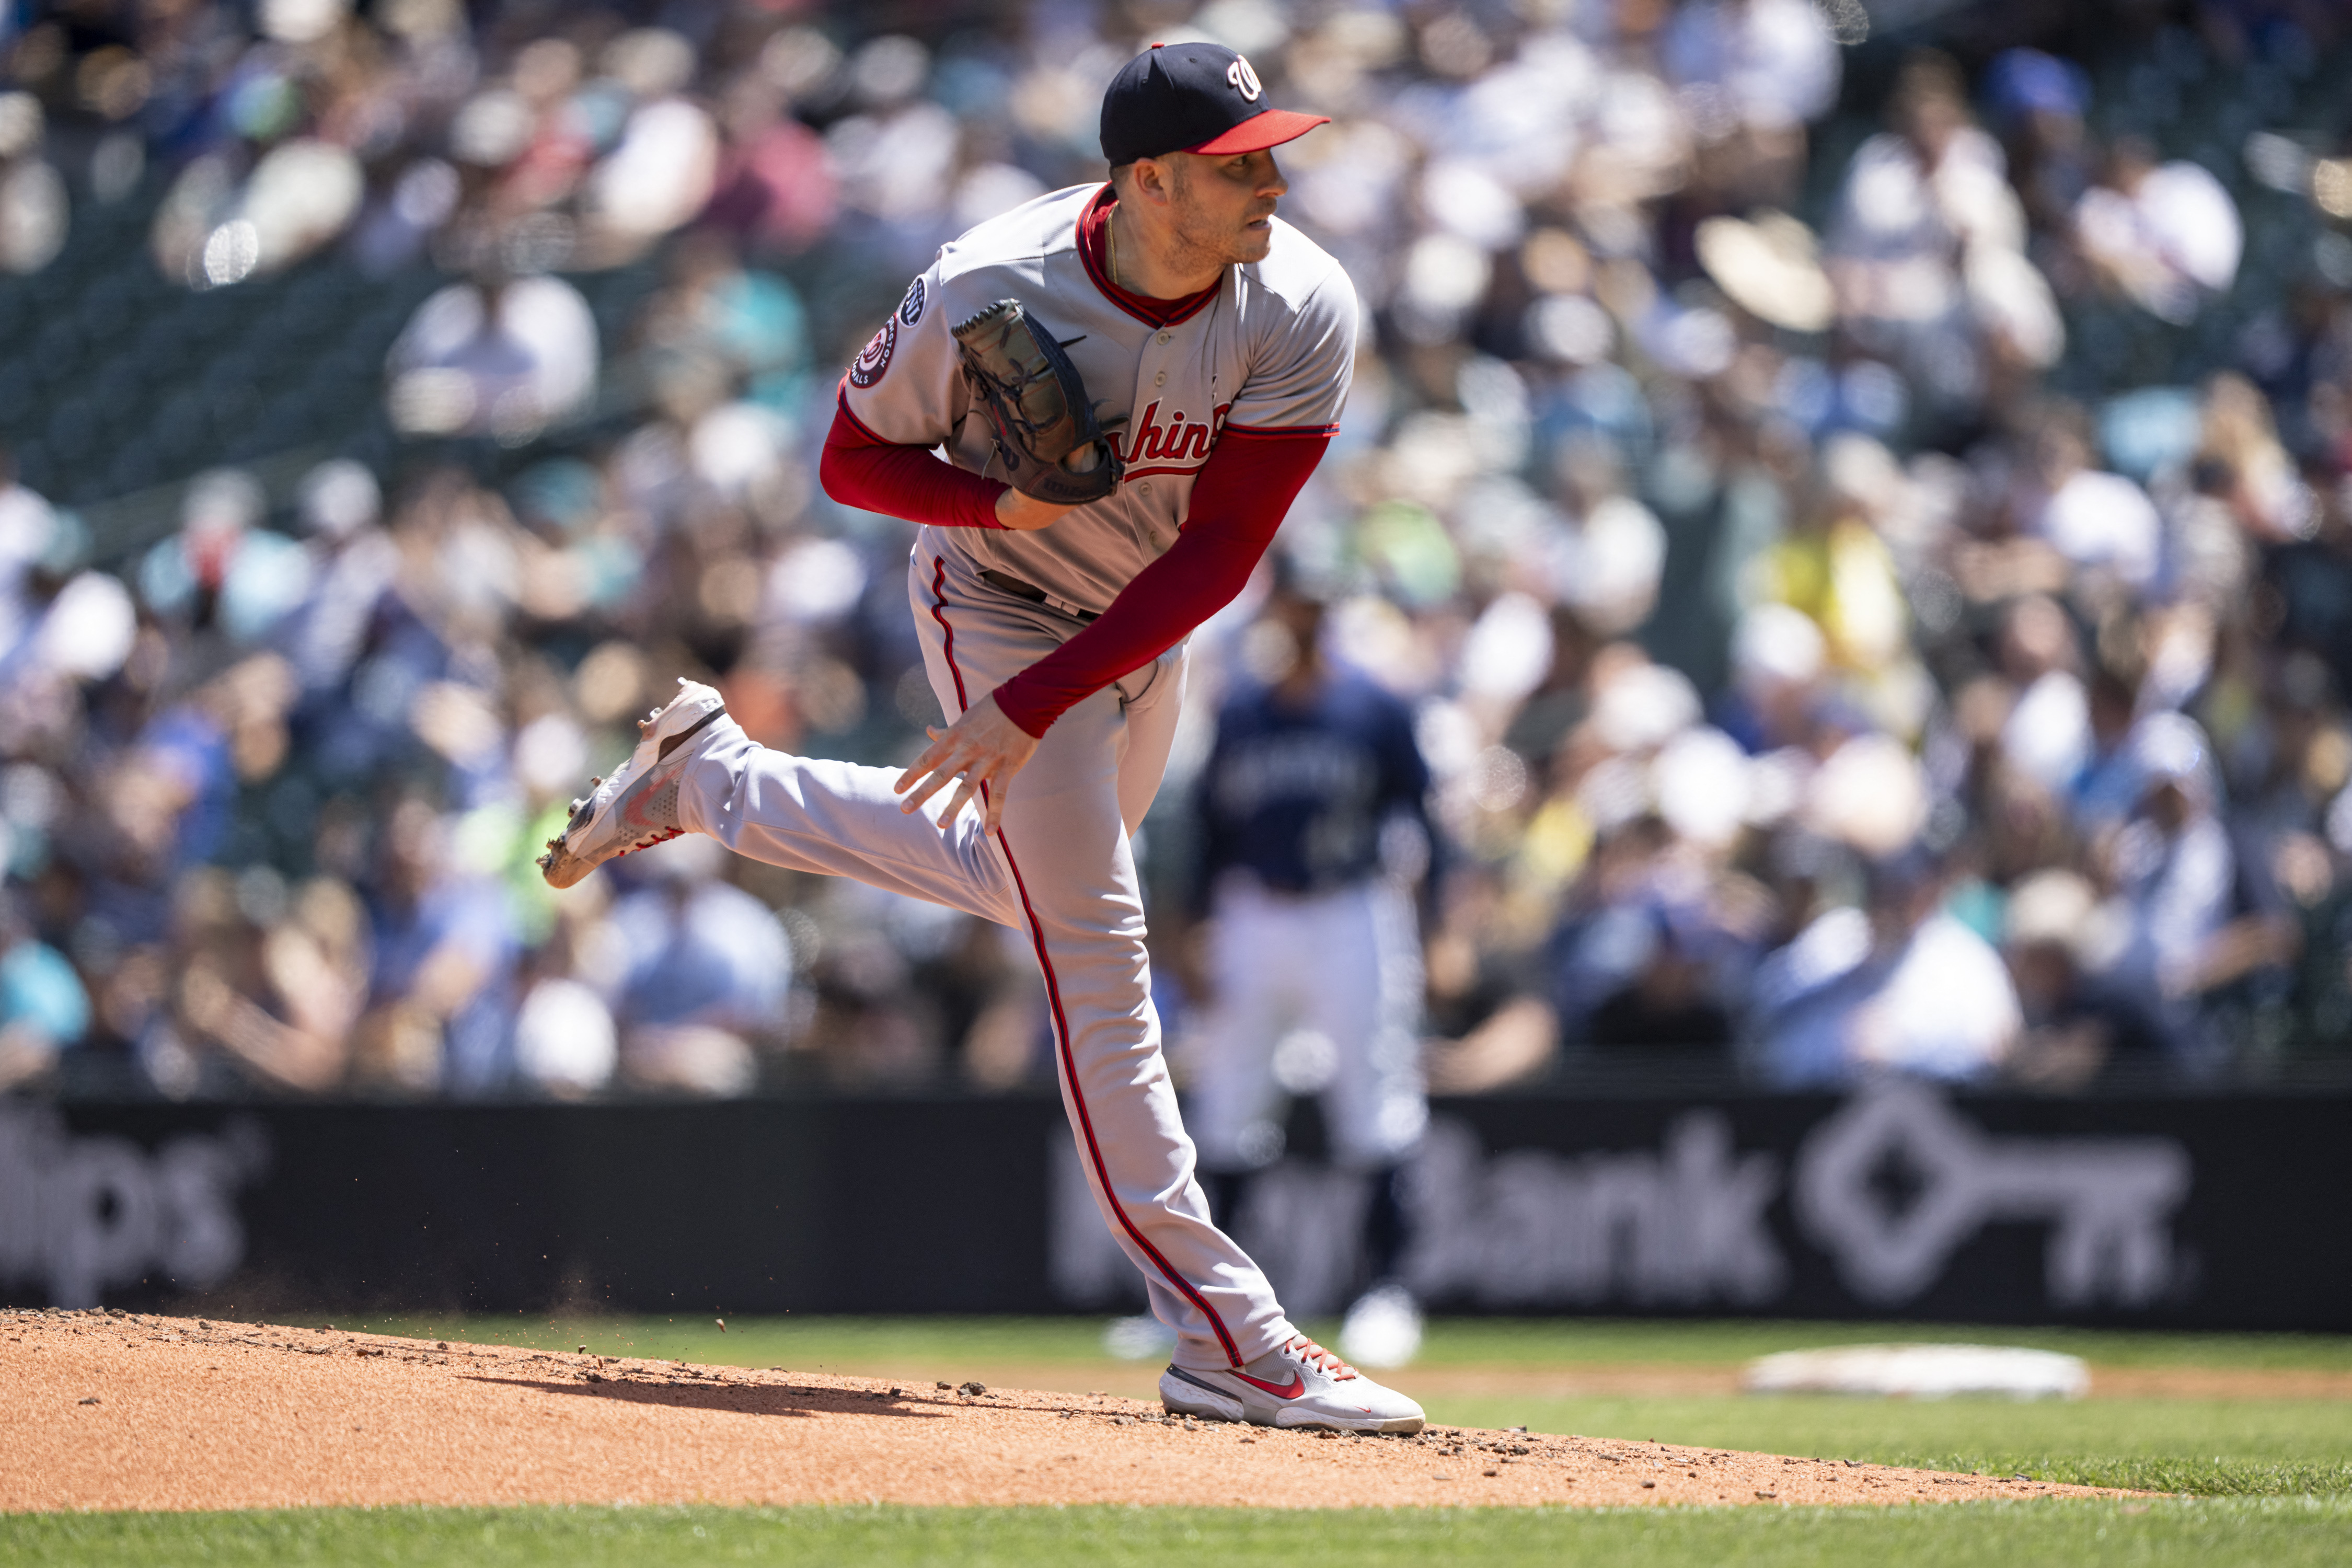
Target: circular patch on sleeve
(910,308)
(874,357)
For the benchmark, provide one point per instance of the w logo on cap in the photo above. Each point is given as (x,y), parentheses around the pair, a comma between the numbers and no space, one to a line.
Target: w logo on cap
(1244,80)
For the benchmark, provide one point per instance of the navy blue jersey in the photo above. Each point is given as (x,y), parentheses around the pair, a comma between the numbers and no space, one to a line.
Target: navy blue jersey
(1298,796)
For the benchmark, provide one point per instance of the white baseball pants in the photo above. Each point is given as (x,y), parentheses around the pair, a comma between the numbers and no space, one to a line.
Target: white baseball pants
(1062,869)
(1345,964)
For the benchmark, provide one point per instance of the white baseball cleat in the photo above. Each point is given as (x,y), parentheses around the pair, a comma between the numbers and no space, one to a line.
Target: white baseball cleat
(1295,1384)
(636,808)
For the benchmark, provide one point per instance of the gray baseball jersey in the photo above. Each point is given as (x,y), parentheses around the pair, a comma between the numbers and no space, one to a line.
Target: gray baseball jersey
(1271,352)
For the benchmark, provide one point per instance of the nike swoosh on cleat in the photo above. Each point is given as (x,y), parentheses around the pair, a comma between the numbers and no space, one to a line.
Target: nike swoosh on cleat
(683,736)
(1297,1385)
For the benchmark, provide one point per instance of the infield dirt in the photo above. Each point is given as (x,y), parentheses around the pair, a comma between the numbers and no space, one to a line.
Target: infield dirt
(106,1411)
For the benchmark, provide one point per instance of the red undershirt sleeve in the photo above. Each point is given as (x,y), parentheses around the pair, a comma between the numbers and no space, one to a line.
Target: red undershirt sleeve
(861,470)
(1244,492)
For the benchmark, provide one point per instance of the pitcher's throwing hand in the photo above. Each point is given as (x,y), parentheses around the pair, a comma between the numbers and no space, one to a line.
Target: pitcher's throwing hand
(980,752)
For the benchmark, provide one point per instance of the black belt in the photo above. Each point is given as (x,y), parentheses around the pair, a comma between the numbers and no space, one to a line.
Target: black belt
(1029,591)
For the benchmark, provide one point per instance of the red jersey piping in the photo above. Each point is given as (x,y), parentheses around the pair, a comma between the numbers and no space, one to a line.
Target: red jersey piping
(1092,223)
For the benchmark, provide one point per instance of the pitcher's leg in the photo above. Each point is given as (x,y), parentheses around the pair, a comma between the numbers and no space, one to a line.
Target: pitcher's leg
(1154,698)
(1073,870)
(842,820)
(1073,874)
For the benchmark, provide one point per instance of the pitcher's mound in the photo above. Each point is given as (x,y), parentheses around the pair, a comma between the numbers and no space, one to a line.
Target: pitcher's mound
(99,1411)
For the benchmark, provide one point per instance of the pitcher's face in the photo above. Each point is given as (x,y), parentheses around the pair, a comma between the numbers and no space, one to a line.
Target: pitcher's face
(1224,206)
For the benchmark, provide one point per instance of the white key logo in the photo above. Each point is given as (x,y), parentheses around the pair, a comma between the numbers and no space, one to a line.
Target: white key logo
(1244,80)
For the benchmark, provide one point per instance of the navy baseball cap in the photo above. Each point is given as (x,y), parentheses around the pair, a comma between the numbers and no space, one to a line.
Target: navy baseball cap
(1193,98)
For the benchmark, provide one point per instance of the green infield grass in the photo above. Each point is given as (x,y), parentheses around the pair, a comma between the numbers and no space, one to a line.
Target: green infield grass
(2273,1532)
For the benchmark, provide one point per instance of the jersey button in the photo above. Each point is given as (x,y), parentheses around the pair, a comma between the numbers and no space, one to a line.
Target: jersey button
(1146,486)
(1160,380)
(1167,337)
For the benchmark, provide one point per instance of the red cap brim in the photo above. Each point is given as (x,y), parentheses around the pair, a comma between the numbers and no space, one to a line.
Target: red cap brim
(1259,131)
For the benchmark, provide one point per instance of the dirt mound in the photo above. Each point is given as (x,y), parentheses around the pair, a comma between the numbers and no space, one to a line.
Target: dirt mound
(106,1411)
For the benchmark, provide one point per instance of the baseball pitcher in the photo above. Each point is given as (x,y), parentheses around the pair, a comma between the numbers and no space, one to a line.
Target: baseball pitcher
(1131,382)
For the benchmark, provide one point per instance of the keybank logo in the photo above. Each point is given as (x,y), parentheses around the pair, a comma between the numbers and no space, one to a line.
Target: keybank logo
(1889,1189)
(81,1214)
(2108,1202)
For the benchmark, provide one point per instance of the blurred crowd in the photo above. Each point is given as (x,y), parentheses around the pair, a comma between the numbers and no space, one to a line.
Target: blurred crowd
(1865,524)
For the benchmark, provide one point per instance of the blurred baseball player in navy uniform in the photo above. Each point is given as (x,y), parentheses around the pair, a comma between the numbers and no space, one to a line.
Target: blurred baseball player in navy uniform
(1214,344)
(1313,829)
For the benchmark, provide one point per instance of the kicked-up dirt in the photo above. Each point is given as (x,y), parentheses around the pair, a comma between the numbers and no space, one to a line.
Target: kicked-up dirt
(106,1410)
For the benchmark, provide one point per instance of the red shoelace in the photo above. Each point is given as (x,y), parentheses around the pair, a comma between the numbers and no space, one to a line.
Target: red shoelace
(1321,1359)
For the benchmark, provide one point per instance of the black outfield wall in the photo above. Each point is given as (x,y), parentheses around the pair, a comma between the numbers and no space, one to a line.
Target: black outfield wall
(2209,1212)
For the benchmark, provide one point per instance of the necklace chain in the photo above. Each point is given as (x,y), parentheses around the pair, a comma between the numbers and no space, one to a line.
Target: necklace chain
(1111,234)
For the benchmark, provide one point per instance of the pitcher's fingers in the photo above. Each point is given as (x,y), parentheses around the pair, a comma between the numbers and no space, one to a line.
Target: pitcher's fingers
(927,783)
(992,797)
(925,763)
(955,807)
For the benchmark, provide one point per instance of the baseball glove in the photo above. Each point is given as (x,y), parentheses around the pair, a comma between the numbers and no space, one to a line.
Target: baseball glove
(1045,429)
